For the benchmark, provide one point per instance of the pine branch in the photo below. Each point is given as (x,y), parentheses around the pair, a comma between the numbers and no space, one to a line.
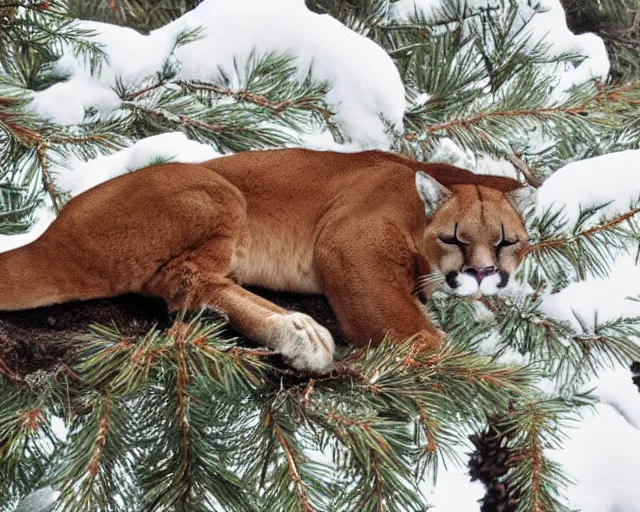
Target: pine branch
(531,427)
(93,466)
(130,96)
(587,250)
(15,122)
(26,440)
(103,432)
(476,118)
(294,471)
(542,113)
(17,207)
(269,96)
(570,357)
(182,120)
(559,242)
(376,498)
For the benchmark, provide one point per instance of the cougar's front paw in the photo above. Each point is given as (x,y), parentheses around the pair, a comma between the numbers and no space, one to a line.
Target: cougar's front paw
(430,340)
(304,342)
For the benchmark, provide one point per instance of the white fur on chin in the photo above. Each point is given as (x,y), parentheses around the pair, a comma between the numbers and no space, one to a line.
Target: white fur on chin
(468,285)
(489,285)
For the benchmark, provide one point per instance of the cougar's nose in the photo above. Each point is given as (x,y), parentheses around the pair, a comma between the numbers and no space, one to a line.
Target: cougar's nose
(480,273)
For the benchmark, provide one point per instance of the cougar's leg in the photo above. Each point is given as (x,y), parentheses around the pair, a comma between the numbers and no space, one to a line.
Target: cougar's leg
(199,278)
(370,288)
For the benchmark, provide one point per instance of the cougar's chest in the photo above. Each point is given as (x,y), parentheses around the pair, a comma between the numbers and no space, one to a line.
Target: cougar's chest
(283,263)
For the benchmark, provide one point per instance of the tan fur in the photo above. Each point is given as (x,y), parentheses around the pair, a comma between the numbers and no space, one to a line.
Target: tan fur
(351,226)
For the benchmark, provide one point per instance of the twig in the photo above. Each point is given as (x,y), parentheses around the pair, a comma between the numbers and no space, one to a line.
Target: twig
(438,23)
(8,373)
(256,99)
(181,119)
(183,381)
(134,95)
(56,139)
(294,471)
(529,174)
(101,439)
(476,118)
(46,178)
(10,121)
(378,477)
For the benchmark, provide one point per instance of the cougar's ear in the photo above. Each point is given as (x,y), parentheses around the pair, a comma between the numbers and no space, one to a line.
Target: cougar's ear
(522,198)
(431,192)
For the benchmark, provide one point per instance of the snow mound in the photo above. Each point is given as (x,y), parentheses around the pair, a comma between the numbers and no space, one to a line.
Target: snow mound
(613,178)
(163,148)
(578,303)
(365,82)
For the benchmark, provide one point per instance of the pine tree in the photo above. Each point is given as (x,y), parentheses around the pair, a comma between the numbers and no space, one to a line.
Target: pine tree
(182,418)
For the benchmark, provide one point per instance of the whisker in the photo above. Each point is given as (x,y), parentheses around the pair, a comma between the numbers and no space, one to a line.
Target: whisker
(432,280)
(434,277)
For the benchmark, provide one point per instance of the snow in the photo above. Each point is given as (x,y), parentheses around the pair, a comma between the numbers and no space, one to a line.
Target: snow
(578,303)
(595,181)
(603,457)
(65,102)
(77,176)
(550,27)
(430,9)
(366,83)
(166,147)
(59,428)
(603,454)
(40,500)
(616,389)
(453,491)
(43,217)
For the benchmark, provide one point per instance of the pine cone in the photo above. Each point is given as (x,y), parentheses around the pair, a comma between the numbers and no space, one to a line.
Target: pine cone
(635,373)
(490,464)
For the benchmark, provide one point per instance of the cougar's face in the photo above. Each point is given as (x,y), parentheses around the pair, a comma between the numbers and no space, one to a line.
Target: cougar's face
(475,240)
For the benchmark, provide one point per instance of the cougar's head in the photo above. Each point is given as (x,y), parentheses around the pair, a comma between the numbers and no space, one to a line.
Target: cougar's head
(475,238)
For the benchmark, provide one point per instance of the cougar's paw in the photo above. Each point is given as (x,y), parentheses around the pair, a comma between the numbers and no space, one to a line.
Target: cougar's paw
(430,340)
(304,342)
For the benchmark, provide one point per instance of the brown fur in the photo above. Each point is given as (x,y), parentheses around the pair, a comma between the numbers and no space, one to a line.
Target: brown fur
(350,226)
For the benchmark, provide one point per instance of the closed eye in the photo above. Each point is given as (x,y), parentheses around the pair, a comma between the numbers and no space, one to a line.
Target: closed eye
(504,242)
(452,240)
